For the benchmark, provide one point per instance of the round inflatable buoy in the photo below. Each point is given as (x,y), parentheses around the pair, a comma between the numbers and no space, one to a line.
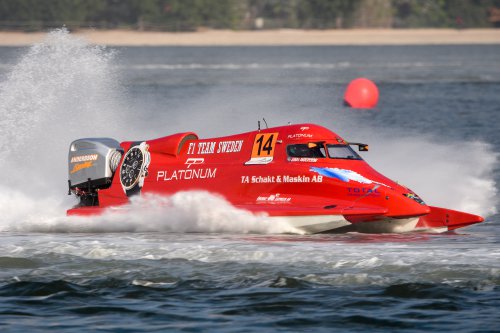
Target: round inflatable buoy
(361,93)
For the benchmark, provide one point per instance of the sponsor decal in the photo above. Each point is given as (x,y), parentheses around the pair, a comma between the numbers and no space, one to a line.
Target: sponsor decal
(300,136)
(303,159)
(80,166)
(206,147)
(230,146)
(84,158)
(304,128)
(134,168)
(214,147)
(281,179)
(275,198)
(344,175)
(359,191)
(190,161)
(302,179)
(186,174)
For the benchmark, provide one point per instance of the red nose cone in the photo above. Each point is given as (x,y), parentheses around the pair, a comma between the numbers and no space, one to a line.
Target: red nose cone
(361,93)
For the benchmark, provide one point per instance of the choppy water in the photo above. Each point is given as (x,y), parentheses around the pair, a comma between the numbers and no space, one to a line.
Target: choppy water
(201,265)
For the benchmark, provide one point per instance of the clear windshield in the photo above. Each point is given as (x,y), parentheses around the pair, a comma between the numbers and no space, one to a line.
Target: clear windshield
(342,151)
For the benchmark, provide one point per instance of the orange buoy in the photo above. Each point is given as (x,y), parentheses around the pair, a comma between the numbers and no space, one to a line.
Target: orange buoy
(361,93)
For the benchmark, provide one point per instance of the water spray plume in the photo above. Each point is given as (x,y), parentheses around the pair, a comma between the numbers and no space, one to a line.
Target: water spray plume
(64,88)
(61,88)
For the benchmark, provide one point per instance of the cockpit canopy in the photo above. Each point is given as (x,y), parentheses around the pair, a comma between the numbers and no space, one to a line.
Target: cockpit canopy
(322,150)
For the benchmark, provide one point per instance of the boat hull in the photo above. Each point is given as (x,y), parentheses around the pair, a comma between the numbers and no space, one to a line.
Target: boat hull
(305,174)
(439,220)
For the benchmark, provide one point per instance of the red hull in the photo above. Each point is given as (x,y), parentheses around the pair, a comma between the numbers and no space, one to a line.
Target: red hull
(296,171)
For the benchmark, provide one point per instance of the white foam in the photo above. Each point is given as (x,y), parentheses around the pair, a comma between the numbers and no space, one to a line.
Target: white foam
(279,66)
(183,212)
(193,211)
(233,66)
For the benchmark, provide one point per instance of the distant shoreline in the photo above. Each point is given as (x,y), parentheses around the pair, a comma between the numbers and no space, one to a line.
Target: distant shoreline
(281,37)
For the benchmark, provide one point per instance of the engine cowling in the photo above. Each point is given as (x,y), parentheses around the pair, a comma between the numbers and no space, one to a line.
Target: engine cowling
(92,163)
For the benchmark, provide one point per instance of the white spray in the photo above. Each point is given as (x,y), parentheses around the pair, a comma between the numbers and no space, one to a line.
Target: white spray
(455,175)
(193,211)
(63,89)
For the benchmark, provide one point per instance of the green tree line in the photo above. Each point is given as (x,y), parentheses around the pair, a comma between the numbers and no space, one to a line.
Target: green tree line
(188,15)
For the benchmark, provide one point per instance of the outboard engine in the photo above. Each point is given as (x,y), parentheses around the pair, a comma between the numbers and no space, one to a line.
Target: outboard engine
(92,163)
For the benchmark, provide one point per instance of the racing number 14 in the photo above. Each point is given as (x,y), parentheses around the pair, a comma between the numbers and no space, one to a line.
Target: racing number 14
(267,146)
(263,148)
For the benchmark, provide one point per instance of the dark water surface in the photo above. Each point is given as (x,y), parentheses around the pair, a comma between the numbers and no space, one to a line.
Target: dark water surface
(435,128)
(229,283)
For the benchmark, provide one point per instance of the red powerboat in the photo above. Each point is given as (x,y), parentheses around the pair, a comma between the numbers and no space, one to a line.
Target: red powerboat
(305,174)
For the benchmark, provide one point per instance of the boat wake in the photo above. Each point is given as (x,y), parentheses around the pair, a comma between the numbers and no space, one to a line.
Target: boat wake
(186,212)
